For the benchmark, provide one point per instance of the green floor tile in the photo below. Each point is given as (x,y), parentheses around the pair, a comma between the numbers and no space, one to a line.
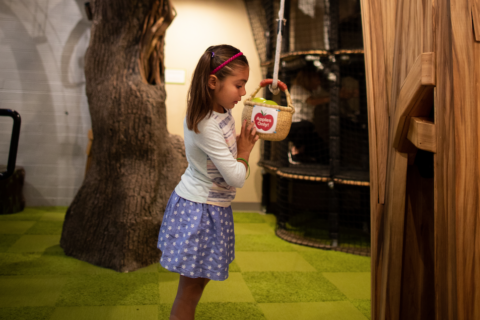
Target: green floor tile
(111,289)
(276,287)
(34,243)
(237,311)
(248,217)
(46,227)
(30,291)
(54,250)
(26,313)
(234,267)
(272,261)
(36,264)
(253,228)
(334,261)
(261,242)
(53,216)
(29,214)
(355,285)
(219,311)
(164,311)
(168,285)
(6,241)
(270,219)
(60,209)
(19,264)
(15,227)
(106,313)
(90,269)
(234,289)
(342,310)
(365,307)
(151,268)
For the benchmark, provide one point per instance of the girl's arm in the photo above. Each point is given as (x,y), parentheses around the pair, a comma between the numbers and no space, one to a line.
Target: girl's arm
(212,142)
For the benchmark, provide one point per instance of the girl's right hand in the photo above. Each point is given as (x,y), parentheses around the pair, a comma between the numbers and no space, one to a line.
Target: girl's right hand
(246,140)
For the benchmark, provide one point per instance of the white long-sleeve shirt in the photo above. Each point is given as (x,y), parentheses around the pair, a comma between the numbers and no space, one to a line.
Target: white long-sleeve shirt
(213,172)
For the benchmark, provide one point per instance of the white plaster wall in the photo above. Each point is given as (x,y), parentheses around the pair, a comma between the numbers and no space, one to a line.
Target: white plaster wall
(42,44)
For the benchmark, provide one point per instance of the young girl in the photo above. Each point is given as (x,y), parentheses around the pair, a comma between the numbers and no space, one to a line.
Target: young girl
(196,236)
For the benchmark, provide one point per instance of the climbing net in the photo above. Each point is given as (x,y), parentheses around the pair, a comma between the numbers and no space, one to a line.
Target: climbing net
(316,180)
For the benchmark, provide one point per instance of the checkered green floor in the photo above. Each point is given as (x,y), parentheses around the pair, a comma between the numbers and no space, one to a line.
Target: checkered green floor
(270,278)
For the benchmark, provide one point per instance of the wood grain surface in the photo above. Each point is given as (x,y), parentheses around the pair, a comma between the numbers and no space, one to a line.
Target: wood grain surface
(415,99)
(476,19)
(422,134)
(466,75)
(418,280)
(425,256)
(376,56)
(444,180)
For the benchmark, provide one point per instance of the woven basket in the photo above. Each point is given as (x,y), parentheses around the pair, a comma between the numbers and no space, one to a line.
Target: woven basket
(284,116)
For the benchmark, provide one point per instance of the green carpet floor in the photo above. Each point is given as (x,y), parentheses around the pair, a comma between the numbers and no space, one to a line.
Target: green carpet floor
(270,279)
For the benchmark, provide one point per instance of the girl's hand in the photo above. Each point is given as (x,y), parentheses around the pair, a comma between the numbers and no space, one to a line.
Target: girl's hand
(246,140)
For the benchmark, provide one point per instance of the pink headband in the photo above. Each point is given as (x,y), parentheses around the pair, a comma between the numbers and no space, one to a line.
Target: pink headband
(226,62)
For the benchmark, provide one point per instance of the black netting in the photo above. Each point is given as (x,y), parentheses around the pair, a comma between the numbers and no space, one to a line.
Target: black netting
(317,180)
(323,214)
(353,113)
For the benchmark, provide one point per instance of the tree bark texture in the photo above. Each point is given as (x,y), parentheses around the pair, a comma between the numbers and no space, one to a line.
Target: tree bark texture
(115,217)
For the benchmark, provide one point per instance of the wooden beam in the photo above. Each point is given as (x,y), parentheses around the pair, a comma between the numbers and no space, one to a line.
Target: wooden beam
(428,69)
(394,217)
(422,134)
(415,99)
(377,77)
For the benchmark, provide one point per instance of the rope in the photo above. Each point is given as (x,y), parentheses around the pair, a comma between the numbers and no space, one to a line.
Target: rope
(281,22)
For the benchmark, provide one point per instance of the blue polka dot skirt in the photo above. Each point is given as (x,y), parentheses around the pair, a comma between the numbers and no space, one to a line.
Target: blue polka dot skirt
(197,239)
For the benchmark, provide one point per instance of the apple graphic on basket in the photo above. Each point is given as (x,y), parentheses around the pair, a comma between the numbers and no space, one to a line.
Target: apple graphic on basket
(263,121)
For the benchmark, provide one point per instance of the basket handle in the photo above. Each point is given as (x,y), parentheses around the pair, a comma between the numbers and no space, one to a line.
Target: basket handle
(282,87)
(280,84)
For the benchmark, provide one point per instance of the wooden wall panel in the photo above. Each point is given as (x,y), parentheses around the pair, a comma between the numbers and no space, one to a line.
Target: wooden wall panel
(445,251)
(466,72)
(410,31)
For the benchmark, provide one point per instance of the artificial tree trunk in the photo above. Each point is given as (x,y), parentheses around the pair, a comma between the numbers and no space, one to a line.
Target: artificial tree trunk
(115,217)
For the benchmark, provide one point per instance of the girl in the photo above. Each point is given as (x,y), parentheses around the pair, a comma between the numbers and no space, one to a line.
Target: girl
(196,236)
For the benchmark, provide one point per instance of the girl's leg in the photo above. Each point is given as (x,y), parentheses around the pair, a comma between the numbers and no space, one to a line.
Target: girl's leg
(189,293)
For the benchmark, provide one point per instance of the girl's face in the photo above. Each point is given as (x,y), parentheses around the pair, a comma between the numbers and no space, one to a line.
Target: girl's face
(230,91)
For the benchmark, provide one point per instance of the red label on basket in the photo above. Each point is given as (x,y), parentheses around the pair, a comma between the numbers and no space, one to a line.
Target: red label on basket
(265,119)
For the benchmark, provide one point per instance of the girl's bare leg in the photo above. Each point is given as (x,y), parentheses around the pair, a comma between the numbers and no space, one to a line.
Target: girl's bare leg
(189,293)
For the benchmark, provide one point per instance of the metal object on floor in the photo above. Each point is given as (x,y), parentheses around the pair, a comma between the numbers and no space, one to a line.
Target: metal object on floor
(12,155)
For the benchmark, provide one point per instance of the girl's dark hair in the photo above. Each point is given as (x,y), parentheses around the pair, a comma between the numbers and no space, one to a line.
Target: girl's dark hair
(200,96)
